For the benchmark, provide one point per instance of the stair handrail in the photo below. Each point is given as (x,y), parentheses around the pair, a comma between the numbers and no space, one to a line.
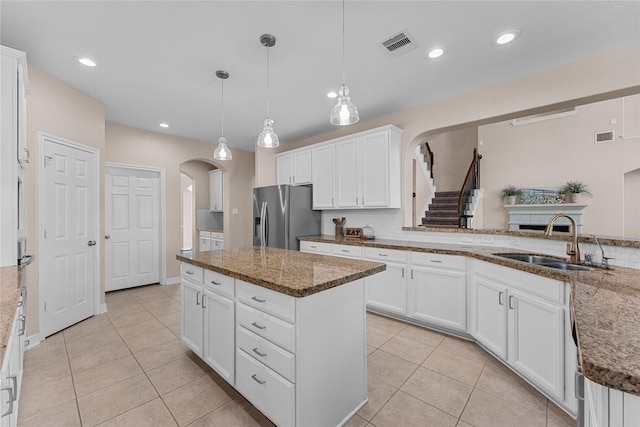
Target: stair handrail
(471,182)
(428,156)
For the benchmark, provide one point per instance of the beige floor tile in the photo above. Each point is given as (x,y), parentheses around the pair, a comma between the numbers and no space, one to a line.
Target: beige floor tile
(114,400)
(144,291)
(437,390)
(406,410)
(123,307)
(486,410)
(52,347)
(120,319)
(153,413)
(463,424)
(376,337)
(79,344)
(413,351)
(139,328)
(355,421)
(46,395)
(159,355)
(370,349)
(423,335)
(175,327)
(46,370)
(65,414)
(97,356)
(556,417)
(501,382)
(389,368)
(174,374)
(92,325)
(160,309)
(237,413)
(385,323)
(169,317)
(141,342)
(379,393)
(191,401)
(105,374)
(454,365)
(468,349)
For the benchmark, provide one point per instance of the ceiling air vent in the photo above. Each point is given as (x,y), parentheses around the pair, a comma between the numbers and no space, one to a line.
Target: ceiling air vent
(607,136)
(398,44)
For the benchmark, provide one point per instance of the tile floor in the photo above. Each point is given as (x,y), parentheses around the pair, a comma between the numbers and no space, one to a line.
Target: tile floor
(128,368)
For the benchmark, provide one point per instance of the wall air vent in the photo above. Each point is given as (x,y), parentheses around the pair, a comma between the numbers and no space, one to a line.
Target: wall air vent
(398,43)
(601,137)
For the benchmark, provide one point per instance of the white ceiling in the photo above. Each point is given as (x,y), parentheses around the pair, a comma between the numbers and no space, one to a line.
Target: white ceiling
(157,59)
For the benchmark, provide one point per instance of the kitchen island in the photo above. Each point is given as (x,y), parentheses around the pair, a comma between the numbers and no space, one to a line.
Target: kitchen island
(286,329)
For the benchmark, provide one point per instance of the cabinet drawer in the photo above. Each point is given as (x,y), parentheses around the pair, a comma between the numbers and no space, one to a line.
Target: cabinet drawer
(192,273)
(205,234)
(280,305)
(317,247)
(275,330)
(452,262)
(347,251)
(219,283)
(216,235)
(387,255)
(273,395)
(281,361)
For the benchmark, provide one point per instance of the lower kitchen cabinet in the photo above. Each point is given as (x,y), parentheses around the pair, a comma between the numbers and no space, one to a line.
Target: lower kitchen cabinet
(11,373)
(387,290)
(192,326)
(606,407)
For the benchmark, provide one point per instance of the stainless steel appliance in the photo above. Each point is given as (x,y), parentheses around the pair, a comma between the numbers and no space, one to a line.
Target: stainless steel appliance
(281,213)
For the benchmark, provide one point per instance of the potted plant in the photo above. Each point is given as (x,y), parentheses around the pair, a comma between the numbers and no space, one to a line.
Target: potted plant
(573,190)
(510,194)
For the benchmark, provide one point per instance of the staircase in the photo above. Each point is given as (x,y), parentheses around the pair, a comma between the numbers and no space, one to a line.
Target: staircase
(443,211)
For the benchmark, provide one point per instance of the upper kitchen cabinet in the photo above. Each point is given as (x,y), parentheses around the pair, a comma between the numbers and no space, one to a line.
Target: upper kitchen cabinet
(294,167)
(324,179)
(215,190)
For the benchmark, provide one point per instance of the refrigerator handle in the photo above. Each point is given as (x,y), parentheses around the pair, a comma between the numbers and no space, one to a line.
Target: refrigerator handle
(263,210)
(266,225)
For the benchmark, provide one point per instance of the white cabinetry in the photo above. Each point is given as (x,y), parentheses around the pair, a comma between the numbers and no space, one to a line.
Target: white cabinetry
(606,407)
(210,241)
(216,185)
(294,168)
(521,318)
(192,279)
(324,179)
(438,290)
(387,290)
(11,371)
(315,247)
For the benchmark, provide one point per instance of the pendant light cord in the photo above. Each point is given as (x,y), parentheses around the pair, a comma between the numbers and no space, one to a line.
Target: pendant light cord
(344,79)
(222,105)
(268,92)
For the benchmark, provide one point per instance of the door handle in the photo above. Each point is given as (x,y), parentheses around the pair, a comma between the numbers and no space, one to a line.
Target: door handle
(91,243)
(198,298)
(511,298)
(107,237)
(500,294)
(203,299)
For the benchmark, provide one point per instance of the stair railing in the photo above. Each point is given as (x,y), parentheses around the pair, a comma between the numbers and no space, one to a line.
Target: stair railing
(428,156)
(471,182)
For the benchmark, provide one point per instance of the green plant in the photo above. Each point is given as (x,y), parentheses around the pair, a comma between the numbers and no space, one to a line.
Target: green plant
(510,191)
(576,187)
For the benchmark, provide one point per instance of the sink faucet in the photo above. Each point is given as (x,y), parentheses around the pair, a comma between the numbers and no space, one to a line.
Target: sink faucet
(572,248)
(604,260)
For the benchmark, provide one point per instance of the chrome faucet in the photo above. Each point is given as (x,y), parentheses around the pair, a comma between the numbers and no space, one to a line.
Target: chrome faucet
(604,262)
(572,248)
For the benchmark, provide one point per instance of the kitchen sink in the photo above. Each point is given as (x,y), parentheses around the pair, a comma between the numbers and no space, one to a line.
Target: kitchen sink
(544,261)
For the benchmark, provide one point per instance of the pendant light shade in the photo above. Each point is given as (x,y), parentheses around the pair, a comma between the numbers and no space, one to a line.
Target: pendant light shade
(222,152)
(344,112)
(268,138)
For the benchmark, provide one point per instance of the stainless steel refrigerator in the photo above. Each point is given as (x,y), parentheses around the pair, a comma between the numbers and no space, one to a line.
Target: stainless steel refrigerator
(281,213)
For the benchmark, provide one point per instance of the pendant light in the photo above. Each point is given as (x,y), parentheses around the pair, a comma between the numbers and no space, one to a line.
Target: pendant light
(222,151)
(344,112)
(268,138)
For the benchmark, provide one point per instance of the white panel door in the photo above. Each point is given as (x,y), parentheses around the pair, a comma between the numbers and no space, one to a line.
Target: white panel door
(439,296)
(388,290)
(69,253)
(491,316)
(375,170)
(324,191)
(132,227)
(284,168)
(348,173)
(219,334)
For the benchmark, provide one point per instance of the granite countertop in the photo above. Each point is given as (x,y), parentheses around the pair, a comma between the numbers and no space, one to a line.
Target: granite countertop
(9,295)
(605,306)
(293,273)
(214,230)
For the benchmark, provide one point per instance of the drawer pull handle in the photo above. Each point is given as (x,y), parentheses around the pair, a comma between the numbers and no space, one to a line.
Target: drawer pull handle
(189,272)
(436,260)
(258,380)
(259,326)
(256,351)
(346,250)
(213,282)
(313,246)
(256,299)
(383,254)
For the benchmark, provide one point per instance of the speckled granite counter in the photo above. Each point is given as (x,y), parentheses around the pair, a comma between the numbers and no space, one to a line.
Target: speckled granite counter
(9,294)
(605,308)
(290,272)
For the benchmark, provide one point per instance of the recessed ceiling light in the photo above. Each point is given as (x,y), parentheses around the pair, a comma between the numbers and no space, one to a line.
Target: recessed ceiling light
(435,52)
(86,61)
(332,94)
(164,125)
(507,37)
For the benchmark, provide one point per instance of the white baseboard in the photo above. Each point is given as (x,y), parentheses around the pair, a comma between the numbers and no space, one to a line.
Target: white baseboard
(102,309)
(172,281)
(32,340)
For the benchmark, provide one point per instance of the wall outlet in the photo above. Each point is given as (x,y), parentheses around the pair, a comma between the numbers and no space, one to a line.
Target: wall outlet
(487,239)
(515,241)
(234,211)
(466,240)
(397,234)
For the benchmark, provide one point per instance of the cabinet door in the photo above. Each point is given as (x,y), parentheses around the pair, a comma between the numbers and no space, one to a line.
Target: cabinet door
(10,377)
(388,290)
(439,296)
(491,316)
(192,316)
(324,177)
(348,174)
(302,168)
(204,244)
(375,170)
(284,168)
(216,190)
(219,334)
(536,341)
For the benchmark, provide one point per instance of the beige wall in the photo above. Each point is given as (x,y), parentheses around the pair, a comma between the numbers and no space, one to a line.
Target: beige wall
(632,203)
(606,76)
(142,148)
(199,172)
(58,109)
(452,152)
